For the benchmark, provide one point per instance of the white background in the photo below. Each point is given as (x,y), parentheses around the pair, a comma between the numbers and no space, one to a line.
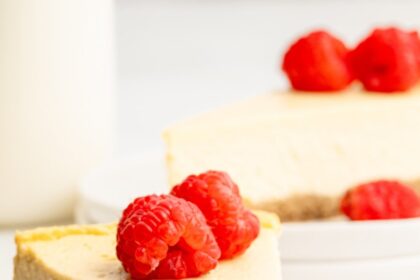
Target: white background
(180,57)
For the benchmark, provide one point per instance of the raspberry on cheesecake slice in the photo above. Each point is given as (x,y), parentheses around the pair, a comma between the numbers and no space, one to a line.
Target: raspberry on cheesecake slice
(88,252)
(201,230)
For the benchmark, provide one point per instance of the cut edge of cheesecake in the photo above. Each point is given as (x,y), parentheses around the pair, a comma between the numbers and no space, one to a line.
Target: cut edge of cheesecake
(28,265)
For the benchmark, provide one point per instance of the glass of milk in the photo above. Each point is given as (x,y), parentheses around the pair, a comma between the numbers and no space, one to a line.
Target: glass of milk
(56,103)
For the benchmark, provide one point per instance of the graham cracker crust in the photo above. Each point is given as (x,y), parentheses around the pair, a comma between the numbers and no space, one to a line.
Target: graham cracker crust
(415,184)
(303,207)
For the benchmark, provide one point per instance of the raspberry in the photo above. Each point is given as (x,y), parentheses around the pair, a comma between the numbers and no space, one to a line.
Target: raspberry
(388,60)
(318,62)
(416,45)
(381,200)
(234,227)
(161,237)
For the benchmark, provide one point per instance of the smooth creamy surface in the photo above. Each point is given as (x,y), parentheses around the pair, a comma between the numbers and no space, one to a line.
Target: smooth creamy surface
(89,253)
(282,144)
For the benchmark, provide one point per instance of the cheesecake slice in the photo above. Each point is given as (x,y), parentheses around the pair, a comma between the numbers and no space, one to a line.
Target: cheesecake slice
(88,253)
(296,153)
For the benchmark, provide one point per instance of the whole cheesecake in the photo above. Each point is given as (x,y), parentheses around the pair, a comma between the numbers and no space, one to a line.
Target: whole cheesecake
(88,252)
(296,153)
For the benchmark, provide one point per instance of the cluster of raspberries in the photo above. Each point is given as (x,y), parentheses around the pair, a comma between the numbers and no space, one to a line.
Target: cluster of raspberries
(388,60)
(185,233)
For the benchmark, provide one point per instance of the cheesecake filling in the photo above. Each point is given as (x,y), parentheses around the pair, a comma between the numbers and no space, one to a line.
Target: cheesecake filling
(88,252)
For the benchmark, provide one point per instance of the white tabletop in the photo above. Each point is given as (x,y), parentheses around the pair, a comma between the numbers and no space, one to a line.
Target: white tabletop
(7,251)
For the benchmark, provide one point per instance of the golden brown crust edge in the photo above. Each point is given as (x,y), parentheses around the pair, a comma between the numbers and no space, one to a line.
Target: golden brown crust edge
(415,184)
(302,207)
(26,267)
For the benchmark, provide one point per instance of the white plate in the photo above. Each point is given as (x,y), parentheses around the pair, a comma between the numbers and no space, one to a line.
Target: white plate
(401,268)
(105,192)
(345,240)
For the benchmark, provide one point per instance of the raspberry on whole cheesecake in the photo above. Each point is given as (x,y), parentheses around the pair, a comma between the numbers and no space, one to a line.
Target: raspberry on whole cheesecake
(214,192)
(318,62)
(416,43)
(165,237)
(388,60)
(381,200)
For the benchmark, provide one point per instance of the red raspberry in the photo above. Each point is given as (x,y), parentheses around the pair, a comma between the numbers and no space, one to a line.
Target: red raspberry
(380,200)
(318,62)
(416,45)
(388,60)
(161,237)
(234,227)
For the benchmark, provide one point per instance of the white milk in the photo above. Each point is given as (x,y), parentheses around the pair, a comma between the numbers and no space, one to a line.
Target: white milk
(56,103)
